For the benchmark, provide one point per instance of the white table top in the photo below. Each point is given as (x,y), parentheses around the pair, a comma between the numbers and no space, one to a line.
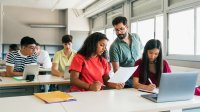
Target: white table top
(41,79)
(126,100)
(40,69)
(28,104)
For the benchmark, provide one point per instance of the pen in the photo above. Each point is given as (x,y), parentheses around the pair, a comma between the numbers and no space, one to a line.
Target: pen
(150,81)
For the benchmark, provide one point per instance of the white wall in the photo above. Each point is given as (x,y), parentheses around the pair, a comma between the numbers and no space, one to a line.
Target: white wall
(77,22)
(17,20)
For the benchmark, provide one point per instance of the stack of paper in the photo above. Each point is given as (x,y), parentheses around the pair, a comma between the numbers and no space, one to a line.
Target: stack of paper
(55,96)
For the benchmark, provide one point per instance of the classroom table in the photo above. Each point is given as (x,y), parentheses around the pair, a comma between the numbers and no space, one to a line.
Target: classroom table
(12,87)
(40,69)
(125,100)
(28,104)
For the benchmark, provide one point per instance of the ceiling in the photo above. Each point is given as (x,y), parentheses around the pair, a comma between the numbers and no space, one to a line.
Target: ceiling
(49,4)
(91,7)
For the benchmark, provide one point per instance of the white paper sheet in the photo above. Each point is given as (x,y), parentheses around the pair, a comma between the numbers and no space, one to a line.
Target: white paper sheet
(156,90)
(122,74)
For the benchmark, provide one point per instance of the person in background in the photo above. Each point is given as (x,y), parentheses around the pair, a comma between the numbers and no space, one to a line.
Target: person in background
(12,47)
(150,67)
(89,69)
(43,58)
(17,60)
(126,48)
(63,57)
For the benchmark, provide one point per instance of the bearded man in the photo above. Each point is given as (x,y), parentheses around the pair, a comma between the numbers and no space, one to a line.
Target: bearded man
(126,48)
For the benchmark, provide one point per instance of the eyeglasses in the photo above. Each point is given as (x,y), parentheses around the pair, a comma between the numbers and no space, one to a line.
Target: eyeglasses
(31,47)
(120,29)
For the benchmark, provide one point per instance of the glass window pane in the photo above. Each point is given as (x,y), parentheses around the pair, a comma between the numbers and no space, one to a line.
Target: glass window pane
(181,33)
(111,15)
(159,28)
(101,31)
(198,31)
(146,30)
(134,27)
(111,36)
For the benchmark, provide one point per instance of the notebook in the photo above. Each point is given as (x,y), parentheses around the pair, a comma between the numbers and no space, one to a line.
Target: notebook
(55,96)
(156,90)
(66,73)
(174,87)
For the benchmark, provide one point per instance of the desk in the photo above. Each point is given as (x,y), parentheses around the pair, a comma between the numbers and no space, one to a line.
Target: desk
(126,100)
(40,80)
(11,87)
(40,69)
(28,104)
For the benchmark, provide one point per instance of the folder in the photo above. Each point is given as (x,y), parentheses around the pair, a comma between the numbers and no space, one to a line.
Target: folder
(55,96)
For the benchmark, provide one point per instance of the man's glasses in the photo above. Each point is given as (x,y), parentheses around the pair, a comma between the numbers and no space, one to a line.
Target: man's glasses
(120,29)
(31,47)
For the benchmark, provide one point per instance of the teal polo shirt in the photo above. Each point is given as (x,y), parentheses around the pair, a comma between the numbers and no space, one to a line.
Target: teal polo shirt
(124,54)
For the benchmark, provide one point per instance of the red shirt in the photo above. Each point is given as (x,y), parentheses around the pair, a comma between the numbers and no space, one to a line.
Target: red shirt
(166,69)
(90,70)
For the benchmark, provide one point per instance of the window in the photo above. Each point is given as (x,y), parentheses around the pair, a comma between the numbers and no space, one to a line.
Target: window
(159,28)
(111,36)
(146,30)
(181,33)
(101,31)
(134,27)
(112,14)
(198,31)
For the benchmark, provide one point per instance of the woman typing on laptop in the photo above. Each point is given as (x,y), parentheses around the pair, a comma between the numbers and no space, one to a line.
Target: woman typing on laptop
(89,68)
(150,67)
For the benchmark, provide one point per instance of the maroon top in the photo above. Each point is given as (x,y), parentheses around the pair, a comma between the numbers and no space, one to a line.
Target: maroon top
(166,69)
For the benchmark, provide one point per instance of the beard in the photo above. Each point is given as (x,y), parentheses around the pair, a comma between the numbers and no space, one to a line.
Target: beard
(122,36)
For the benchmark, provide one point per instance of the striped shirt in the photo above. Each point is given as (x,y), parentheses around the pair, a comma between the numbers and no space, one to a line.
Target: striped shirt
(18,60)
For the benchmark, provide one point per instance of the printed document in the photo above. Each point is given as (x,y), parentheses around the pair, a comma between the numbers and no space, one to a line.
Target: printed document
(122,74)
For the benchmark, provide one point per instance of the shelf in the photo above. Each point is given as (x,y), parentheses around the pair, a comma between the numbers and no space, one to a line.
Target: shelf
(47,26)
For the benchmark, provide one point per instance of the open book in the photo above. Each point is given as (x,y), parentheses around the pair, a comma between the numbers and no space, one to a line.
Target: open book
(55,96)
(156,90)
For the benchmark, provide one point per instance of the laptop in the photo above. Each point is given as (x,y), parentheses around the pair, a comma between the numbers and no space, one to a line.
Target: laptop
(174,87)
(66,73)
(30,70)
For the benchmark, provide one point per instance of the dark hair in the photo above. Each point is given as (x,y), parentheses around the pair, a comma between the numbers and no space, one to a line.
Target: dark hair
(90,45)
(27,40)
(67,39)
(144,75)
(13,47)
(37,44)
(119,19)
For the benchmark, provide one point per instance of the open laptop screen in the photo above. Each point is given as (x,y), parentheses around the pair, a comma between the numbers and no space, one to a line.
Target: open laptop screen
(175,87)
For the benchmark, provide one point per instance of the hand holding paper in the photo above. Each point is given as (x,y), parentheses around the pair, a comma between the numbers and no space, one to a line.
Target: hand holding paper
(122,74)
